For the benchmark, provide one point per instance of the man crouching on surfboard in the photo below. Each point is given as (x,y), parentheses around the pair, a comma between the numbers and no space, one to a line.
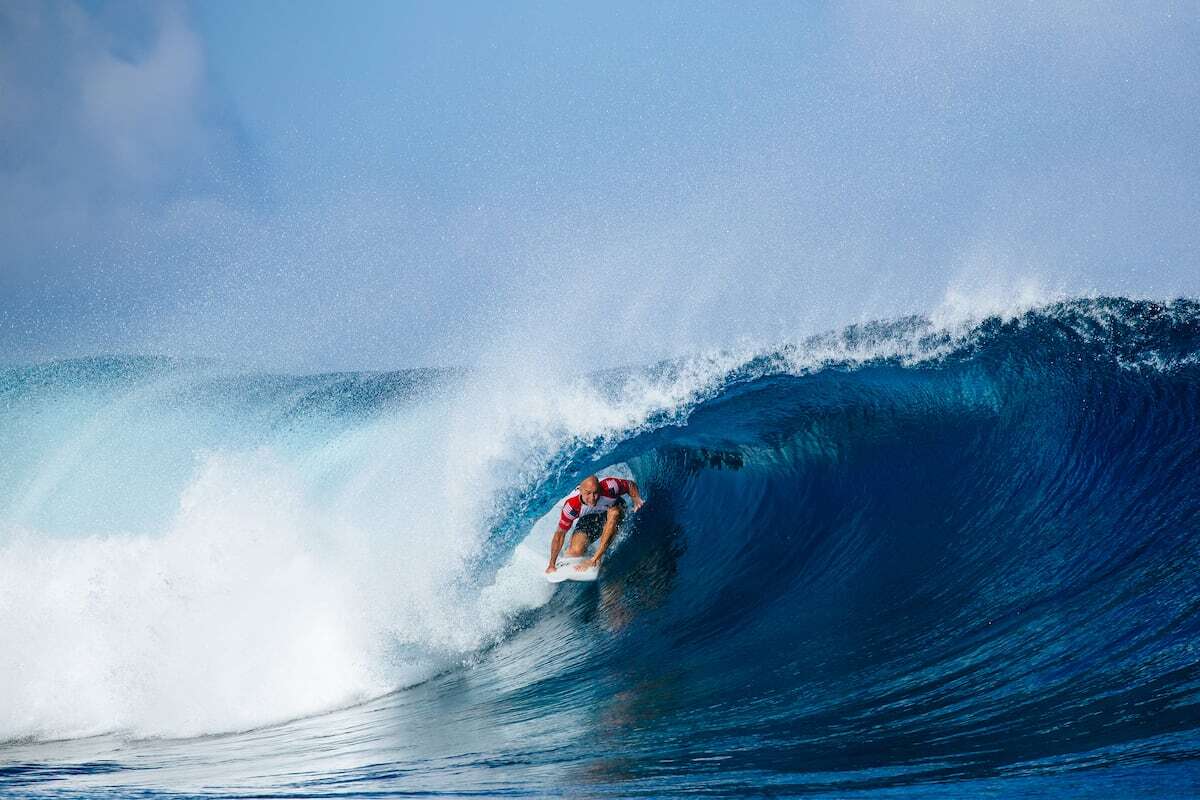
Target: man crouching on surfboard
(594,501)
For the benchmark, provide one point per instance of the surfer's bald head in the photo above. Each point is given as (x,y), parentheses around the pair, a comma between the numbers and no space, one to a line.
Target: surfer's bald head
(589,490)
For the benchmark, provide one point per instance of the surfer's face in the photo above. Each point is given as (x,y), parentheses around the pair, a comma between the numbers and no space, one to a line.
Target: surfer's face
(589,493)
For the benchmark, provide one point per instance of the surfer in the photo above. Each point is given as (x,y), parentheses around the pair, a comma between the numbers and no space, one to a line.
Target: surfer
(596,501)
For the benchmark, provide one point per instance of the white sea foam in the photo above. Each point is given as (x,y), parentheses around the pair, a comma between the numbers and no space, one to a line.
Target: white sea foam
(289,579)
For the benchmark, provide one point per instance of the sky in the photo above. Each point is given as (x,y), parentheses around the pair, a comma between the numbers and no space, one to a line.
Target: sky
(379,185)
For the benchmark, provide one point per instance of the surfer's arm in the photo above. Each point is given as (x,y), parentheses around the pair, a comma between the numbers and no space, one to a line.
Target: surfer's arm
(555,546)
(610,530)
(619,486)
(635,495)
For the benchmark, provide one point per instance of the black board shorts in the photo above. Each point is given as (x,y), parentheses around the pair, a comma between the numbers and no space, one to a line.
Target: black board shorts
(592,525)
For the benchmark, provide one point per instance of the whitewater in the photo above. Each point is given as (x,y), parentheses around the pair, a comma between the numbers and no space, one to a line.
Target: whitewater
(936,555)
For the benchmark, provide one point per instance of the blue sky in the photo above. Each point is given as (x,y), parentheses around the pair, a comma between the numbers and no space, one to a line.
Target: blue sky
(378,185)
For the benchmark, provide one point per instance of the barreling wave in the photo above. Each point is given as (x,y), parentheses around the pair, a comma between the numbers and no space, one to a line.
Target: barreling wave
(896,554)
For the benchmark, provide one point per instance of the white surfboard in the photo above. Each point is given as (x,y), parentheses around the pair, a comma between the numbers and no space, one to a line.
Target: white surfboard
(564,570)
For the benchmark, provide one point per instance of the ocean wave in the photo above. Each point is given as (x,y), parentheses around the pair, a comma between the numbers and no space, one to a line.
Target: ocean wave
(913,550)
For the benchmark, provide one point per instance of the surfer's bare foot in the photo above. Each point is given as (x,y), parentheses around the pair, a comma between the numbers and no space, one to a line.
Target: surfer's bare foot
(551,568)
(583,565)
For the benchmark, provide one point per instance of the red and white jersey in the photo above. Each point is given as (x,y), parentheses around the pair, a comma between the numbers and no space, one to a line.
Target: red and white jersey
(573,507)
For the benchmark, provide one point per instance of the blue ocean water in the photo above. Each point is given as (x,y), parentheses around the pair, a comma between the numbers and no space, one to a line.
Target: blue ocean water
(899,559)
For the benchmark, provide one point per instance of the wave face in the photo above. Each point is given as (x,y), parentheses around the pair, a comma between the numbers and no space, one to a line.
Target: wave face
(902,557)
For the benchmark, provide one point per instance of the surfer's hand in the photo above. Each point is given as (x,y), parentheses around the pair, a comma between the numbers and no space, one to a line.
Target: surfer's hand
(637,504)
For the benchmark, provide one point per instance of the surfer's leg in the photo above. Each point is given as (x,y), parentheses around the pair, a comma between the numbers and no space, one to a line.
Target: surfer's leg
(585,531)
(579,544)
